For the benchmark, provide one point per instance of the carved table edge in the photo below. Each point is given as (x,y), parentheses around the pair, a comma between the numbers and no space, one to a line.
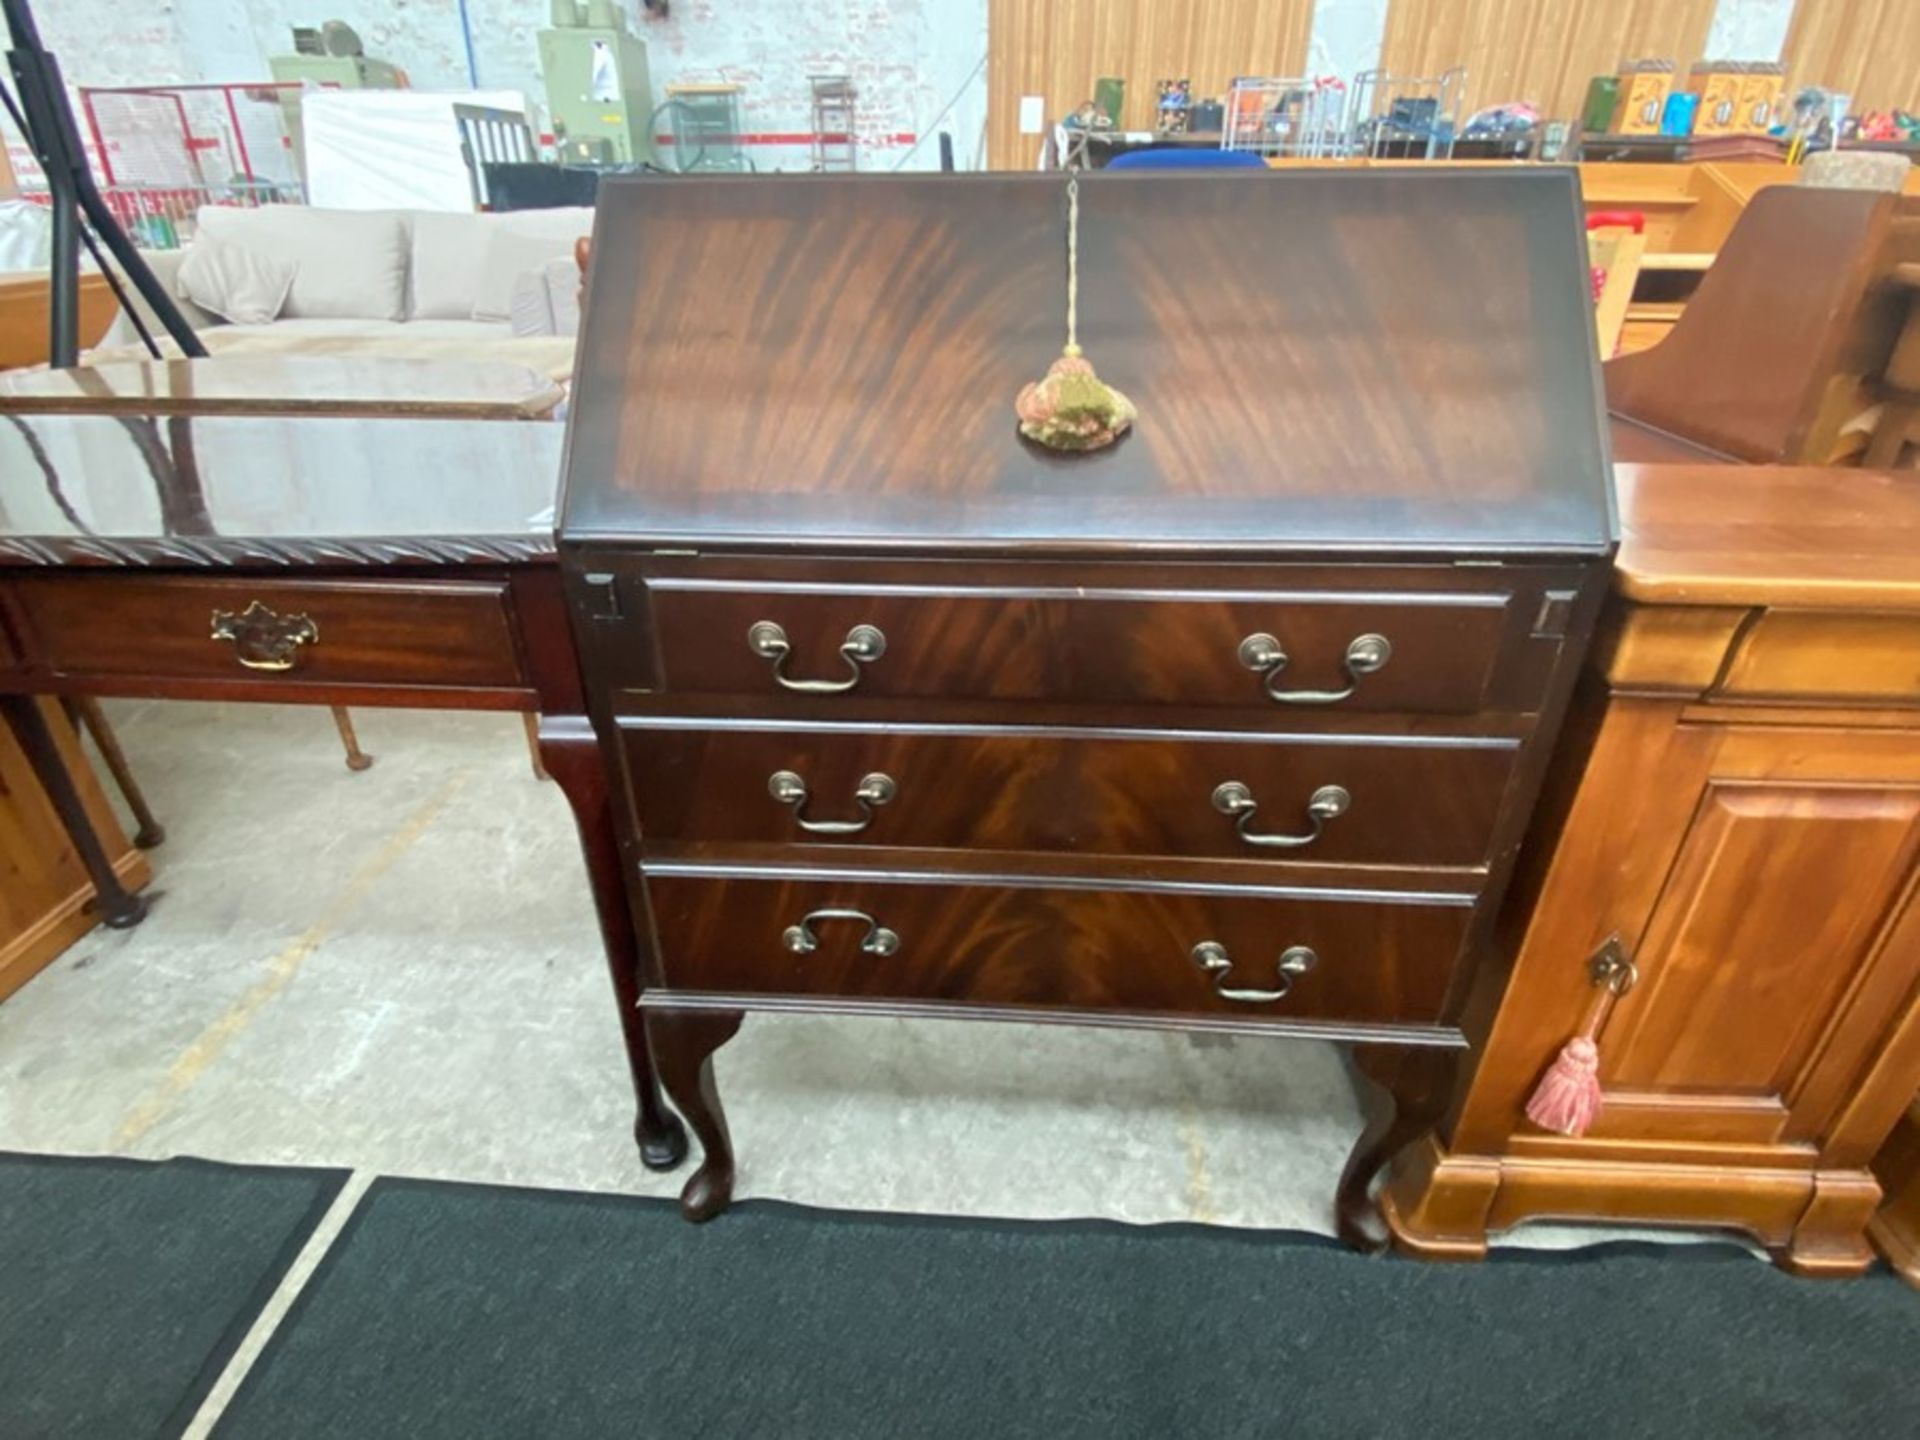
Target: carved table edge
(222,552)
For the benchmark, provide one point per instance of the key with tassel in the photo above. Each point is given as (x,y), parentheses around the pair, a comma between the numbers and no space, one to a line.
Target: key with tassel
(1072,409)
(1568,1099)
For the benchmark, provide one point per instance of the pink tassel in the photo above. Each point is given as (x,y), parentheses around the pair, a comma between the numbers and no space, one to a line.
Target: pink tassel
(1567,1100)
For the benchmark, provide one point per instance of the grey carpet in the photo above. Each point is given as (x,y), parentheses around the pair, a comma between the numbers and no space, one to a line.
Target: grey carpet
(448,1311)
(125,1285)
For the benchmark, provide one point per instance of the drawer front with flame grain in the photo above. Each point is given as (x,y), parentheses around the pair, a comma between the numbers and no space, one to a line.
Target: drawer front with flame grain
(1356,800)
(1247,955)
(1287,652)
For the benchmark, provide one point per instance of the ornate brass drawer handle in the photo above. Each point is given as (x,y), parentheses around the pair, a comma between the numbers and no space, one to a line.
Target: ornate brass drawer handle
(1265,656)
(875,790)
(864,644)
(1236,800)
(1211,956)
(263,640)
(877,941)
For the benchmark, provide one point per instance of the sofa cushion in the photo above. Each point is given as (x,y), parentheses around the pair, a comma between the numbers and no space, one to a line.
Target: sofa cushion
(524,240)
(348,264)
(546,300)
(532,311)
(246,287)
(449,252)
(563,294)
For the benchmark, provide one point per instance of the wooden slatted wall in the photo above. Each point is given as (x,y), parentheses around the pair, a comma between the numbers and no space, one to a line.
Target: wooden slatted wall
(1540,51)
(1868,48)
(1058,48)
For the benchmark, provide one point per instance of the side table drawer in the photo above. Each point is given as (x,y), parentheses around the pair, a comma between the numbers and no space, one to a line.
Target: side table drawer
(291,632)
(1287,651)
(1356,800)
(1364,961)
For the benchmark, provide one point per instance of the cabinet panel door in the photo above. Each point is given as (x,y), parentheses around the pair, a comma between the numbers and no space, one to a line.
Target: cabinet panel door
(1780,953)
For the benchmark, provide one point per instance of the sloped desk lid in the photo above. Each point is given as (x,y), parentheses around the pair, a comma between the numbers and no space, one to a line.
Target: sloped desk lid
(1377,360)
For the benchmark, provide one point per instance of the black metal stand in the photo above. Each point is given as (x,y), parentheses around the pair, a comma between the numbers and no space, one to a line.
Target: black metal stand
(48,123)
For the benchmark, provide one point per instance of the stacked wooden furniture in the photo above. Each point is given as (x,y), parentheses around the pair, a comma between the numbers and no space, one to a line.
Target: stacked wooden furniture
(46,894)
(26,302)
(1231,727)
(1782,356)
(1742,817)
(1689,210)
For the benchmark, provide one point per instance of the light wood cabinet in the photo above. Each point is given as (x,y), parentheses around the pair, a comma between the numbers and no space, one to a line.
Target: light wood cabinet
(1748,825)
(44,890)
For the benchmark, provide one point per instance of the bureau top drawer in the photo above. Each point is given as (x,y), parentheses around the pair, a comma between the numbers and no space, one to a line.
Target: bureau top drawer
(1287,650)
(434,634)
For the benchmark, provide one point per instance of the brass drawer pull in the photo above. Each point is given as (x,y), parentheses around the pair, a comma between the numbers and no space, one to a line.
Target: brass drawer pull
(263,640)
(1211,956)
(877,941)
(875,790)
(1236,800)
(864,644)
(1265,656)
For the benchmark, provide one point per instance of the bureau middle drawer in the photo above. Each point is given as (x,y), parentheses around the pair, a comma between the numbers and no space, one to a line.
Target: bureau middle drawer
(428,633)
(1357,800)
(1256,955)
(1301,650)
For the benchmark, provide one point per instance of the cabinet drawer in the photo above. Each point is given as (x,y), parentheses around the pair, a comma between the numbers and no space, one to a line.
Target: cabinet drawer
(1352,651)
(1818,656)
(1373,961)
(334,632)
(1400,801)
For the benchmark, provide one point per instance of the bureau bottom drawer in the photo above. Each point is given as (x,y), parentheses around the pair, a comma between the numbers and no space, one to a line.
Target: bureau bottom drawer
(1372,961)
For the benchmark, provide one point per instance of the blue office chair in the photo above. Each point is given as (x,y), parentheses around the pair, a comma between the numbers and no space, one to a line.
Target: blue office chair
(1187,160)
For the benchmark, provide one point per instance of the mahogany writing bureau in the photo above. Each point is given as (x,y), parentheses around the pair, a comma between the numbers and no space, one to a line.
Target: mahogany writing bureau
(1234,726)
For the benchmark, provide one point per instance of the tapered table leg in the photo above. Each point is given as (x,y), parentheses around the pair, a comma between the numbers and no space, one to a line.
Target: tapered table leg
(1403,1090)
(683,1046)
(571,754)
(86,712)
(357,759)
(120,908)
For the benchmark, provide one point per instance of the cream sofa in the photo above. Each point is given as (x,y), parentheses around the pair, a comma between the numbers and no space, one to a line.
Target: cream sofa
(408,284)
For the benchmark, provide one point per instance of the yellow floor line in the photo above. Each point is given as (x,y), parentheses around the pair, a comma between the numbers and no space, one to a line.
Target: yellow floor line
(206,1048)
(1200,1207)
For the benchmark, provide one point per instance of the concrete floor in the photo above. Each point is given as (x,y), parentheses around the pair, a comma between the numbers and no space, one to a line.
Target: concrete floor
(398,972)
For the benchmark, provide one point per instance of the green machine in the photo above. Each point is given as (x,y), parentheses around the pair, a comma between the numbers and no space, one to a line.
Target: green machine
(598,93)
(330,57)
